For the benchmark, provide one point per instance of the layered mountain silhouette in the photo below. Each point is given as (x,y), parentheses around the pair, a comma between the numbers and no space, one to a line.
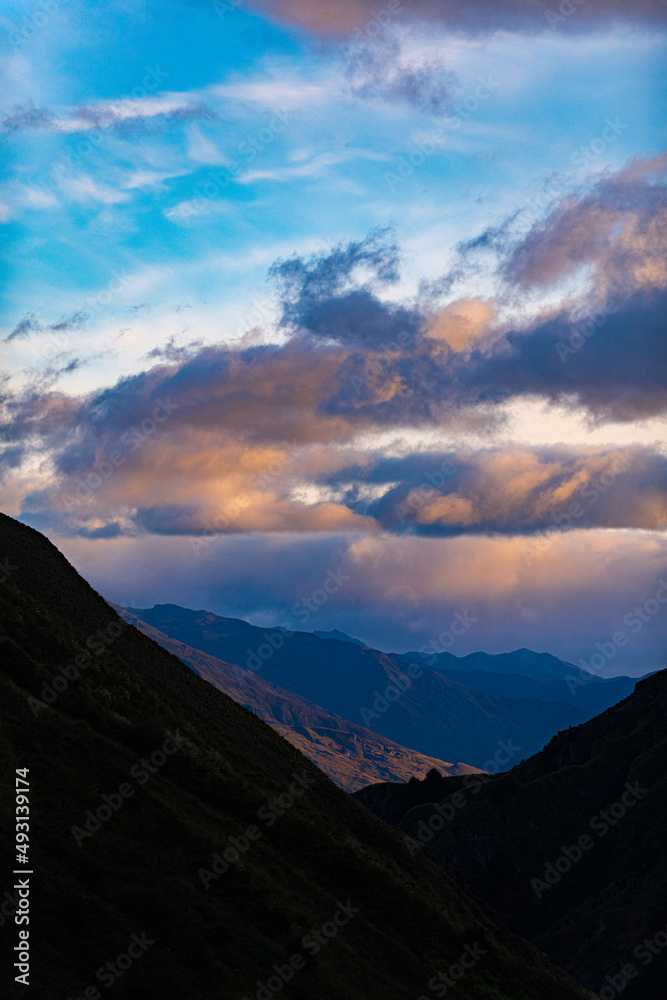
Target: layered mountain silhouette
(525,674)
(170,824)
(570,846)
(403,700)
(351,755)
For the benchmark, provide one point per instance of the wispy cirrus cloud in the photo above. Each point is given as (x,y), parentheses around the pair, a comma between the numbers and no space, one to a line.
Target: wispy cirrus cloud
(107,114)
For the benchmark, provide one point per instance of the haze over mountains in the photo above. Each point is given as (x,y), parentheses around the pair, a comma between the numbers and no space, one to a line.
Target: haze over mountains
(425,710)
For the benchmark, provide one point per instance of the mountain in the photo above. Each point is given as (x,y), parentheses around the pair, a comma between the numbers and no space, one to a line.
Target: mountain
(526,674)
(179,847)
(541,667)
(570,846)
(335,633)
(588,693)
(411,705)
(351,755)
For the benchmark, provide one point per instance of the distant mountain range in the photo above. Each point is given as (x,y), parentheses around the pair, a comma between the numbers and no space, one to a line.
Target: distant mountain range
(166,816)
(570,847)
(525,674)
(351,755)
(400,697)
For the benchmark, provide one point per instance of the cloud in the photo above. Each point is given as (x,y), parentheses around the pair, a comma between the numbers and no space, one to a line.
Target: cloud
(509,490)
(612,360)
(29,324)
(352,359)
(472,17)
(401,592)
(379,70)
(617,230)
(168,107)
(27,116)
(333,296)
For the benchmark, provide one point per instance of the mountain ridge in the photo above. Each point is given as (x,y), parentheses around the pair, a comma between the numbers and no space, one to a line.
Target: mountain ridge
(425,710)
(351,755)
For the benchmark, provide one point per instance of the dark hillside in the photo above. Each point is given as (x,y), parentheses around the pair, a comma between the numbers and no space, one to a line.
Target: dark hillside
(173,768)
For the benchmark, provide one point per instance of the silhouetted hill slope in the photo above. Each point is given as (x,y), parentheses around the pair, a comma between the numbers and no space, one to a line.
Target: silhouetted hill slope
(515,840)
(351,755)
(171,769)
(424,710)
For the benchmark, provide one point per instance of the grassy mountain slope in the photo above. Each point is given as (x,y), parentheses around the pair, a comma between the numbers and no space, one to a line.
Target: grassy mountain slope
(140,872)
(350,755)
(515,841)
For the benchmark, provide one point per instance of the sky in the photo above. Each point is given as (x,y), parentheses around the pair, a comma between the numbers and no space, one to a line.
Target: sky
(356,308)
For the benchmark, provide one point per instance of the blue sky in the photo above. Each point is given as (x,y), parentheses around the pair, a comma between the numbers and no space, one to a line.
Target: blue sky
(160,157)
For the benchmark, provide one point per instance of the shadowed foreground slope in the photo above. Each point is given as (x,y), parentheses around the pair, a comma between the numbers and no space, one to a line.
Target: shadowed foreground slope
(316,864)
(569,846)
